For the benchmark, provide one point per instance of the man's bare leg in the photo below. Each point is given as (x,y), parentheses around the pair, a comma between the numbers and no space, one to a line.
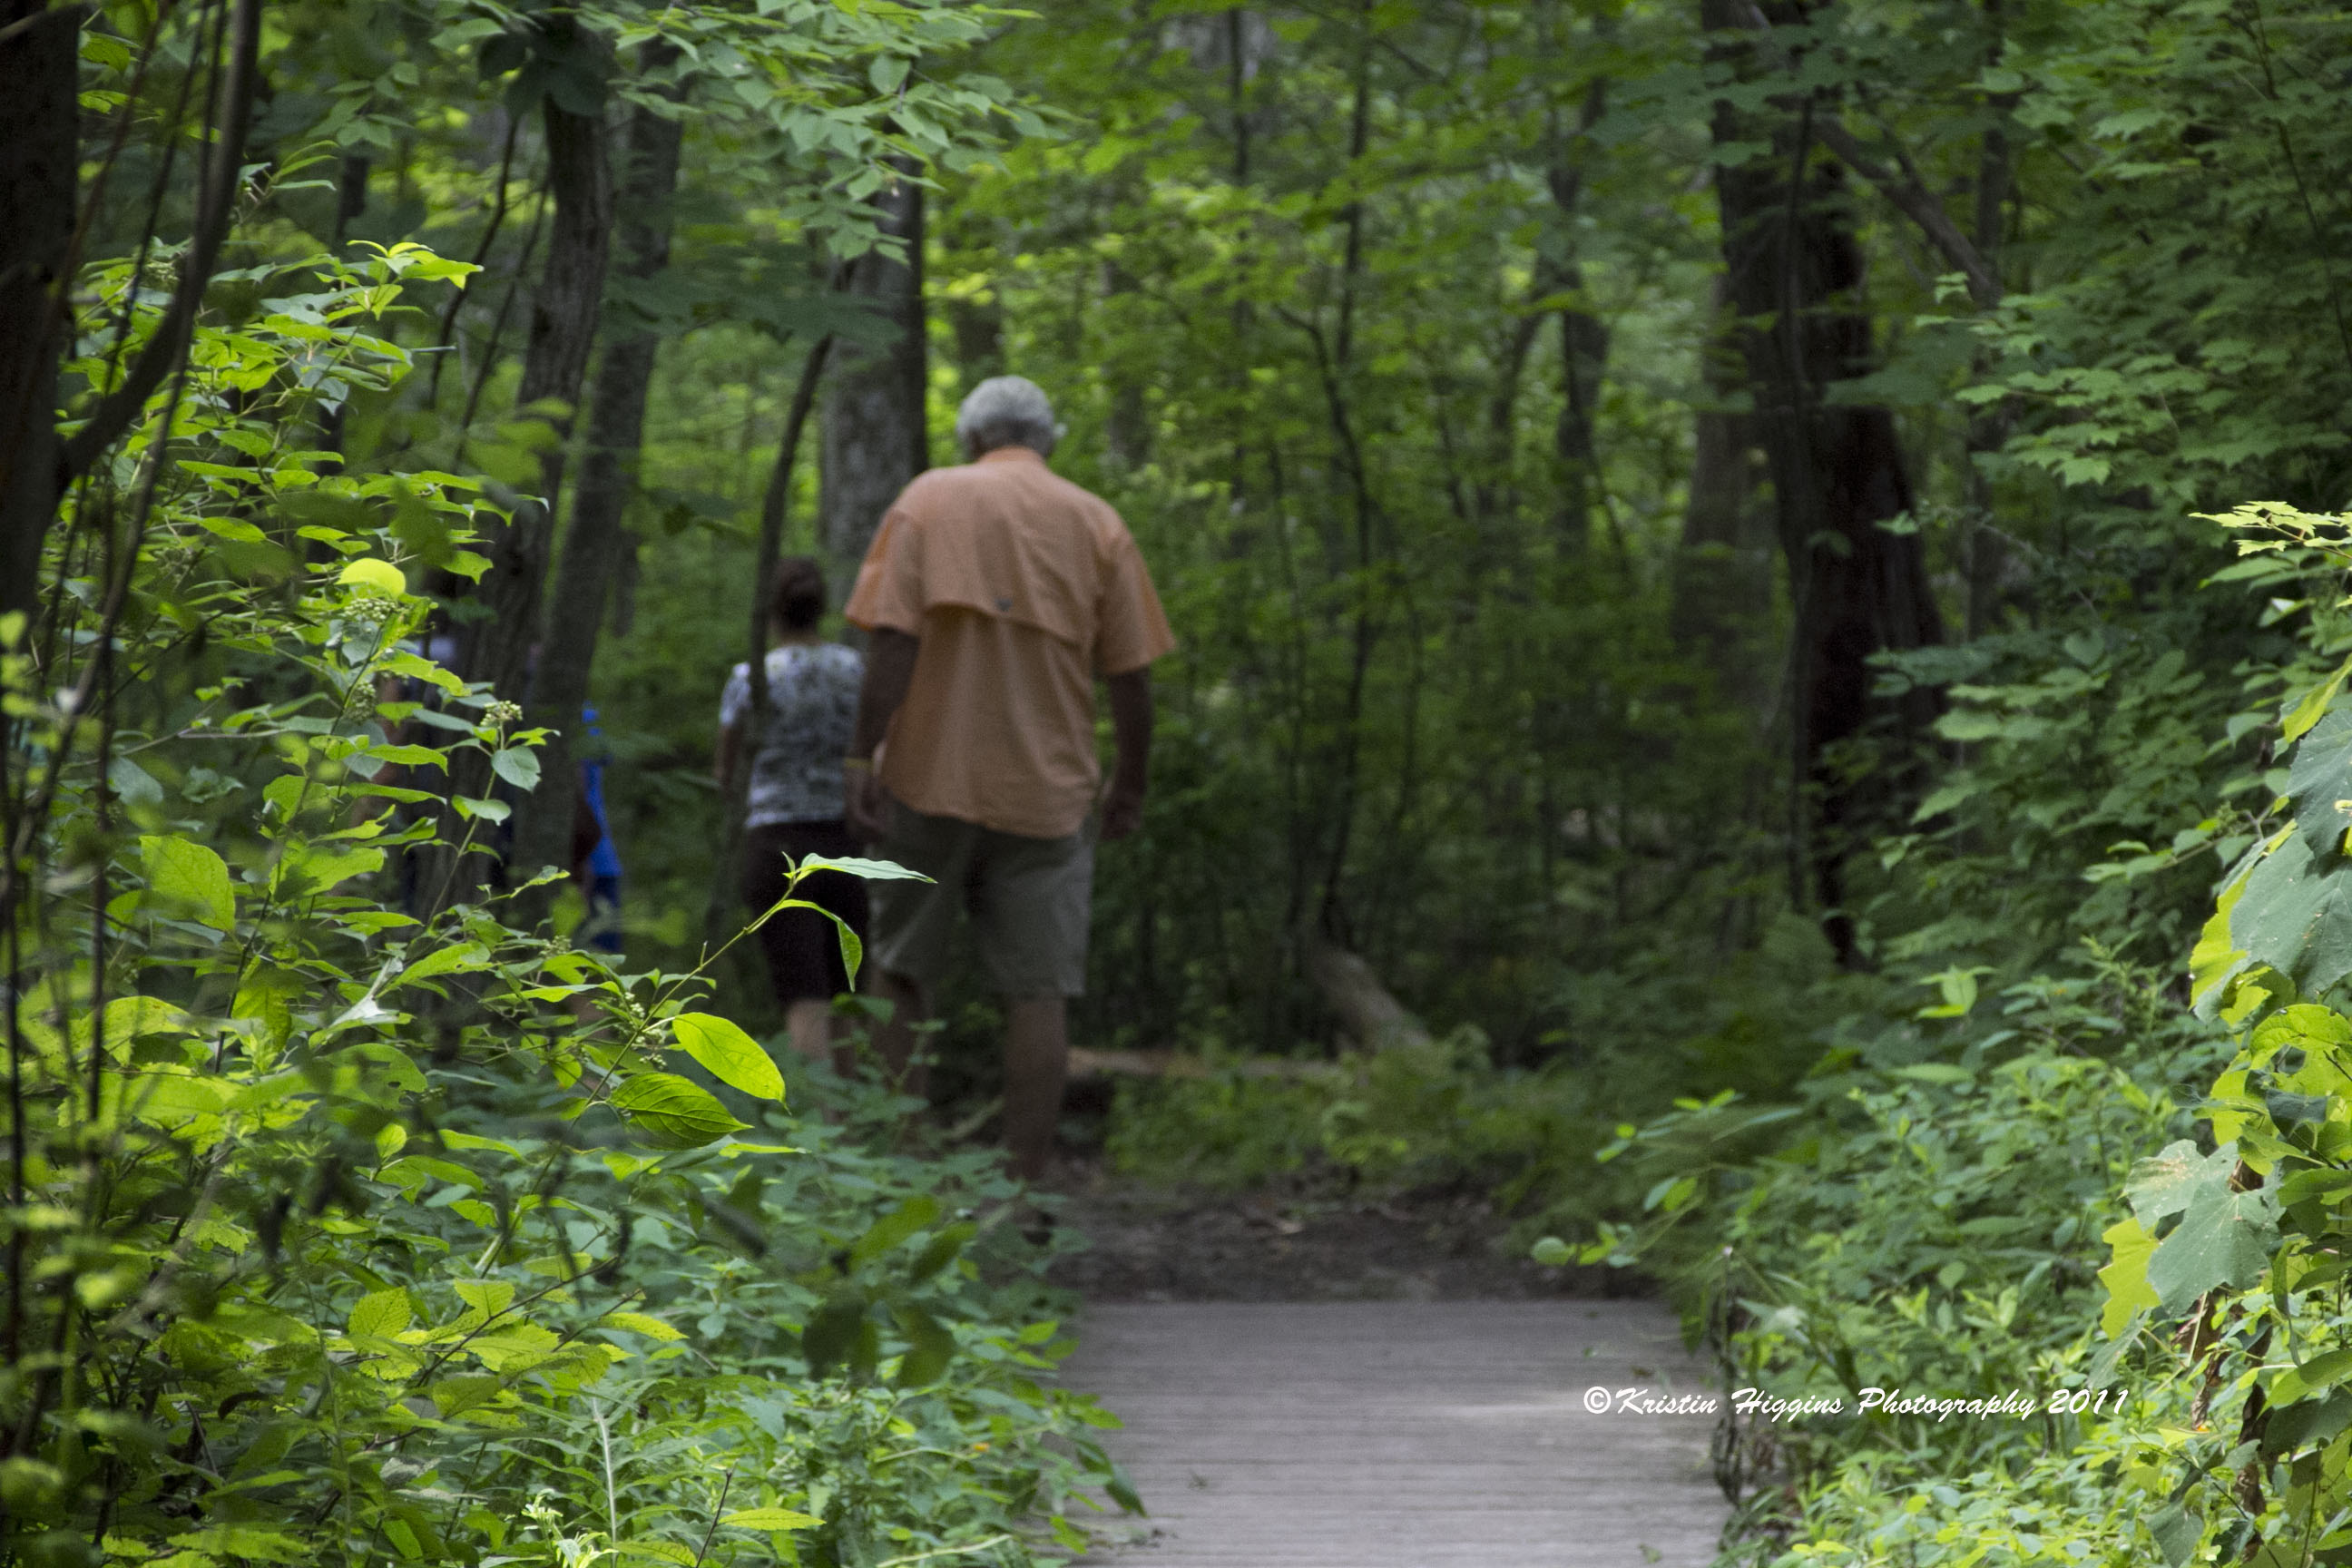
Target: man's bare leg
(810,1024)
(896,1039)
(1036,1063)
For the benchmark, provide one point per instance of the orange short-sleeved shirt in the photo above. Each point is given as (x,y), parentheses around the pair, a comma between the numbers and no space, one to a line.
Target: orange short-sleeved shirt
(1022,587)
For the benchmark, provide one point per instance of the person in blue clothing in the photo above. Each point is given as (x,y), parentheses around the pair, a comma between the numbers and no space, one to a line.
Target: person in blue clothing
(595,858)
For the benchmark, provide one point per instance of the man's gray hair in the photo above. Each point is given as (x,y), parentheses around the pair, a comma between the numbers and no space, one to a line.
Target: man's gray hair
(1007,411)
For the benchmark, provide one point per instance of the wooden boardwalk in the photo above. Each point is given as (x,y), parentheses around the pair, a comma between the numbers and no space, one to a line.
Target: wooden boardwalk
(1399,1434)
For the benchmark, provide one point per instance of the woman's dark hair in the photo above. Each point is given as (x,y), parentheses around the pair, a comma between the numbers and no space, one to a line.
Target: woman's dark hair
(797,601)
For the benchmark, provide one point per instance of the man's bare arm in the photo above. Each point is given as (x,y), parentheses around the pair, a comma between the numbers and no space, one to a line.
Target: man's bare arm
(889,671)
(1130,725)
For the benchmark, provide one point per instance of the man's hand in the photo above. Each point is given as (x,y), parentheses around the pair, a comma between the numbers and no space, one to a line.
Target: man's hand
(1122,813)
(866,805)
(1130,723)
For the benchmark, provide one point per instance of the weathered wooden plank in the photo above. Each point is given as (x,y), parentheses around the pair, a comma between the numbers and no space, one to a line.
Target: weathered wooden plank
(1401,1435)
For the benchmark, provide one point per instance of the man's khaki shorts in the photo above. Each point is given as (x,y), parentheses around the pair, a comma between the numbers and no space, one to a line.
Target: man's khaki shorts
(1029,899)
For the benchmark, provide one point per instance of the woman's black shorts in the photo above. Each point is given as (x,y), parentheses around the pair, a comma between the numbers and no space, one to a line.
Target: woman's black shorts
(802,947)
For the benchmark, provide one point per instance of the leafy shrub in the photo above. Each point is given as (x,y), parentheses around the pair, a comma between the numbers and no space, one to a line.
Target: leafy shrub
(348,1219)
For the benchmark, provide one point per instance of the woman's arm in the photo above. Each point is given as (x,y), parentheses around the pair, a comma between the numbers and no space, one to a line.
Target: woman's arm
(725,754)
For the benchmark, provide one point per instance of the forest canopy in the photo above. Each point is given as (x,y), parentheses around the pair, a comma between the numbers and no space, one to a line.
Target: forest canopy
(1761,659)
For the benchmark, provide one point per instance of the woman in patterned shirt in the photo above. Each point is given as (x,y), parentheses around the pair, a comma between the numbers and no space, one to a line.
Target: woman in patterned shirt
(795,800)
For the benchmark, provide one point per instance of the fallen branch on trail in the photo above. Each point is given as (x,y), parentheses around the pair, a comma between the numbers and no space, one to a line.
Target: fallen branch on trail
(1368,1014)
(1165,1063)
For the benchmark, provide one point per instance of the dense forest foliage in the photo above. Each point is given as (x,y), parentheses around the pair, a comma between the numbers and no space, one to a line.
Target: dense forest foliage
(1769,569)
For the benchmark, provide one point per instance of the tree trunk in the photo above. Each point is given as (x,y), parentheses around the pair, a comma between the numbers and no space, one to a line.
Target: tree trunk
(1794,270)
(594,545)
(555,362)
(38,61)
(1721,579)
(875,437)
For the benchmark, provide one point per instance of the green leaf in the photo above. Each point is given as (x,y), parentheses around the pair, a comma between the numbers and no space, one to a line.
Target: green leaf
(644,1323)
(2225,1238)
(727,1053)
(930,1348)
(2306,710)
(369,572)
(2316,1376)
(894,1227)
(771,1518)
(2321,775)
(2168,1182)
(2177,1532)
(2297,917)
(2216,958)
(872,870)
(465,956)
(672,1112)
(245,1541)
(2126,1277)
(189,875)
(380,1315)
(518,765)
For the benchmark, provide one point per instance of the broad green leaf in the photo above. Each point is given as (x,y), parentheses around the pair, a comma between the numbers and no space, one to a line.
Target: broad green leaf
(2168,1182)
(2224,1240)
(2320,1373)
(930,1349)
(908,1218)
(659,1551)
(727,1053)
(771,1518)
(369,572)
(2126,1276)
(2177,1532)
(455,1396)
(640,1323)
(672,1112)
(2297,917)
(2320,778)
(463,957)
(492,1296)
(514,1346)
(247,1541)
(380,1315)
(518,765)
(872,870)
(186,874)
(2216,958)
(2301,712)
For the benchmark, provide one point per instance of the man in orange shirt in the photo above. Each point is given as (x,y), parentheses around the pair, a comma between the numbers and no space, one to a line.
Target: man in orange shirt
(995,594)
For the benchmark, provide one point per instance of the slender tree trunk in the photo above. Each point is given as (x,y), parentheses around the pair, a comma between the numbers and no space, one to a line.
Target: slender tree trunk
(39,62)
(592,545)
(1583,346)
(555,362)
(1794,272)
(1721,581)
(874,434)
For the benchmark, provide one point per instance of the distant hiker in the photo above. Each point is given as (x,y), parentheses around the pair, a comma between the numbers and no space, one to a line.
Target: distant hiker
(796,803)
(996,593)
(595,857)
